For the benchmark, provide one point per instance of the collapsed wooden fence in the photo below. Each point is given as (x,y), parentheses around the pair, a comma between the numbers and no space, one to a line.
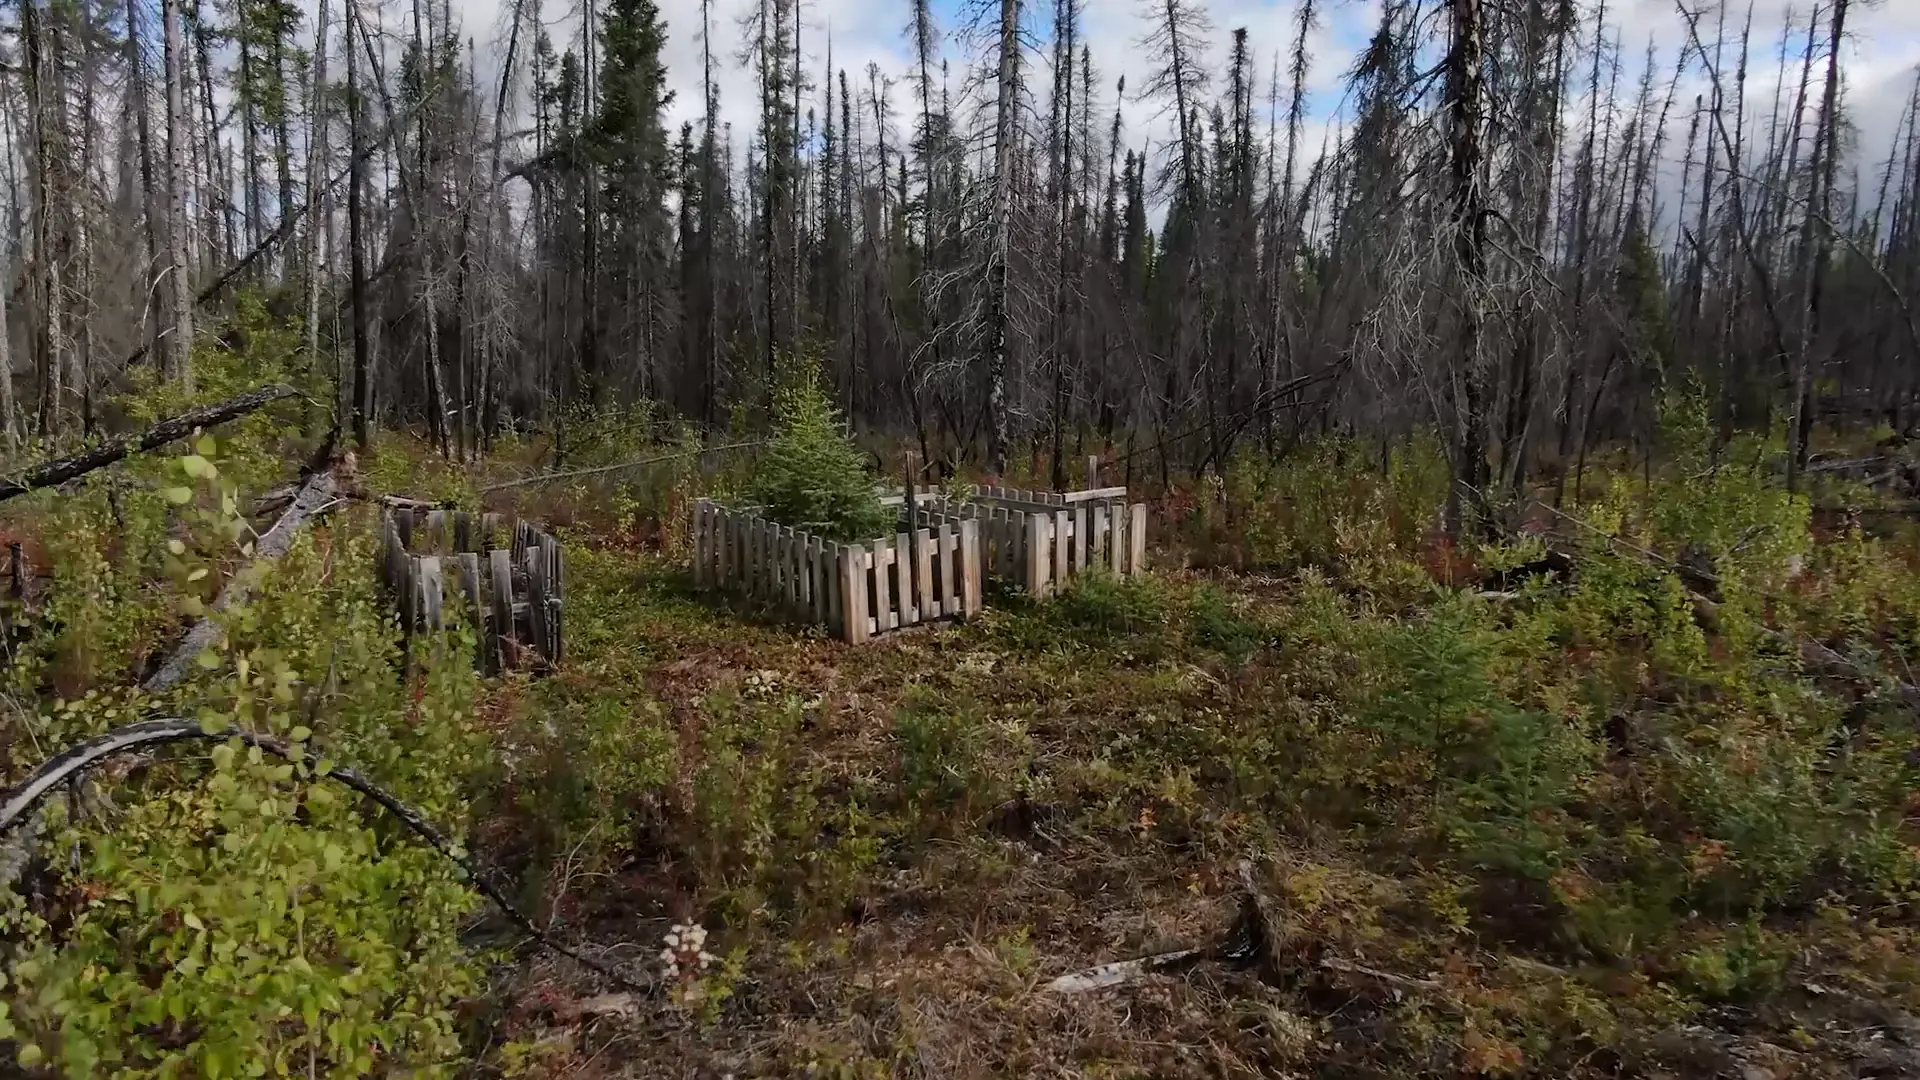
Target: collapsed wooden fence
(858,591)
(513,599)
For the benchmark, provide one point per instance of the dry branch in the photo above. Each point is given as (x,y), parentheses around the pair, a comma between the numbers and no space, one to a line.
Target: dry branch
(1121,972)
(1247,944)
(569,474)
(70,765)
(60,470)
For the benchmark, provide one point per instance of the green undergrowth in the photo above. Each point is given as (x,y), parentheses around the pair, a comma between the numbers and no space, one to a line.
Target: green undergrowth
(1603,799)
(204,909)
(1593,807)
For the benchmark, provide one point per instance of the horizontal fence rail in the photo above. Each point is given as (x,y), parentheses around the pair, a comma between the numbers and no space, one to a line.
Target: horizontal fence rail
(858,591)
(512,595)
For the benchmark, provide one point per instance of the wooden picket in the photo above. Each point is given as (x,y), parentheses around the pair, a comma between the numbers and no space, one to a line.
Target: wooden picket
(513,597)
(1038,540)
(859,591)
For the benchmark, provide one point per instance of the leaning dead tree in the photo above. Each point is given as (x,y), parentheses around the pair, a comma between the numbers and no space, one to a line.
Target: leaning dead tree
(62,469)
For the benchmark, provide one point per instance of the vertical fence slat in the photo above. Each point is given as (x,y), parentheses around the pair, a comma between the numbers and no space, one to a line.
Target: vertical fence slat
(730,552)
(756,556)
(809,578)
(1082,536)
(432,592)
(536,601)
(836,591)
(500,562)
(469,568)
(883,602)
(790,566)
(907,602)
(923,575)
(969,568)
(853,575)
(1038,566)
(769,534)
(556,599)
(699,543)
(943,558)
(1137,540)
(1062,547)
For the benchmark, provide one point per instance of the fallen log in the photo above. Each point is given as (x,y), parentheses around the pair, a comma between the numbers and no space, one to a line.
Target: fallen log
(319,493)
(60,470)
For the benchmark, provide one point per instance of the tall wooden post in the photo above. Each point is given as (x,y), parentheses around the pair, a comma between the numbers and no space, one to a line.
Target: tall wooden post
(912,469)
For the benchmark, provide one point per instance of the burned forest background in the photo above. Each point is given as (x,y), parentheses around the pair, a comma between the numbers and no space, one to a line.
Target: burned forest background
(1524,231)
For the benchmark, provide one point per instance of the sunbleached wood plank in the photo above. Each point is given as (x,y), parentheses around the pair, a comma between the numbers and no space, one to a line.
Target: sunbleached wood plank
(970,568)
(1082,537)
(536,601)
(1062,547)
(1137,540)
(432,592)
(883,598)
(498,634)
(1039,565)
(923,574)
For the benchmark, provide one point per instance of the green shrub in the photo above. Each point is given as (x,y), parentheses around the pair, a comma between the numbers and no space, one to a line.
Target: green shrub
(941,753)
(1330,503)
(1103,605)
(235,912)
(1221,626)
(813,476)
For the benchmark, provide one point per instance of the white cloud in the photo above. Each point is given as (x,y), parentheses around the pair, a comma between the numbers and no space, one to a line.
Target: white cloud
(1878,62)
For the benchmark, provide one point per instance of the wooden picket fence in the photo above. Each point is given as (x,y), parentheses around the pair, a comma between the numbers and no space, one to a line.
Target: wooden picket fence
(513,597)
(858,591)
(1038,540)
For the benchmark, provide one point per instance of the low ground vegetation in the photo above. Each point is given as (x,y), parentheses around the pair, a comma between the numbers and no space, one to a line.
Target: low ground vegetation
(1629,792)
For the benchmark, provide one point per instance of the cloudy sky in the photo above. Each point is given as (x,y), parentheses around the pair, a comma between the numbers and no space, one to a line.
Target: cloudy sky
(1878,62)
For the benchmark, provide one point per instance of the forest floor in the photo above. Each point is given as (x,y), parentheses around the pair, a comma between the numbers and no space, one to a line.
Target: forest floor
(1628,793)
(897,846)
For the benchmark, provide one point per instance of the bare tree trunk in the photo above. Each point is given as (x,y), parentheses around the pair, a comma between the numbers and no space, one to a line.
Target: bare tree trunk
(38,73)
(9,420)
(1468,78)
(151,213)
(318,199)
(1005,124)
(1815,243)
(180,295)
(356,242)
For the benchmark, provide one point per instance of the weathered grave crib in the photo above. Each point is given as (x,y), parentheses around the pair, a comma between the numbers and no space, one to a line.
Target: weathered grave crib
(512,598)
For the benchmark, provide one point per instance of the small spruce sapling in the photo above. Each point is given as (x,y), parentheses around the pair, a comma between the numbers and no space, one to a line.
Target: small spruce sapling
(815,478)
